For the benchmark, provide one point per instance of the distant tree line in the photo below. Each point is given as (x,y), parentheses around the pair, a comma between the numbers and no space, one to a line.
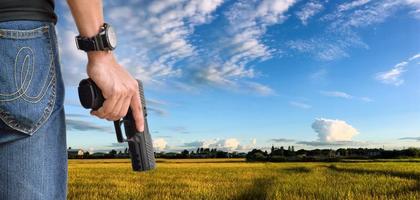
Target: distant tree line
(275,155)
(201,153)
(281,154)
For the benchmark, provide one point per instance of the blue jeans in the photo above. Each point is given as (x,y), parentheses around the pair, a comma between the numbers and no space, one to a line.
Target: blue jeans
(33,157)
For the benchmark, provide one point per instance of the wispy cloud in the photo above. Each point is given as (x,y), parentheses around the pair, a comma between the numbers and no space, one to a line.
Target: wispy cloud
(338,94)
(394,76)
(351,5)
(300,105)
(153,36)
(161,32)
(81,125)
(278,140)
(344,95)
(319,75)
(309,10)
(341,31)
(179,129)
(247,22)
(410,138)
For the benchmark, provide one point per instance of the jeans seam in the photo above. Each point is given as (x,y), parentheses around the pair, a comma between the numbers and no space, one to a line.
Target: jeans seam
(23,34)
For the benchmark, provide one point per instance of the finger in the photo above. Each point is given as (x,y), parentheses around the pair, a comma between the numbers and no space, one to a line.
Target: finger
(125,106)
(137,112)
(107,108)
(95,113)
(115,113)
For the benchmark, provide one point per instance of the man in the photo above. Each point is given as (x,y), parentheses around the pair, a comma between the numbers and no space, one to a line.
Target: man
(33,157)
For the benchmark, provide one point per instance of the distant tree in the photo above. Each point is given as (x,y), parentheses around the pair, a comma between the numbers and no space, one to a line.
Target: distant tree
(185,152)
(256,155)
(112,152)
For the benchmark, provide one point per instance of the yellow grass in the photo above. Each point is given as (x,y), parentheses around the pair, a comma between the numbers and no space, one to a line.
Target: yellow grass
(236,179)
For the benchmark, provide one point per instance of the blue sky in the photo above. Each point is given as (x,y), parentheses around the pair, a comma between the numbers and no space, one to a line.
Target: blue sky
(243,74)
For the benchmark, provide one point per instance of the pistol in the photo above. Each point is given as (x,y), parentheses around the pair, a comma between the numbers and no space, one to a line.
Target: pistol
(139,143)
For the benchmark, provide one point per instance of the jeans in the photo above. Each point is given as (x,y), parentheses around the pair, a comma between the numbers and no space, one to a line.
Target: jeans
(33,156)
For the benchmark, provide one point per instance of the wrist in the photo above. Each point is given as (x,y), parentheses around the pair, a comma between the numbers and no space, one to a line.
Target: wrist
(100,56)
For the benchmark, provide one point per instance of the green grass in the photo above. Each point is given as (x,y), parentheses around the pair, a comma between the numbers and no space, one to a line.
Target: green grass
(235,179)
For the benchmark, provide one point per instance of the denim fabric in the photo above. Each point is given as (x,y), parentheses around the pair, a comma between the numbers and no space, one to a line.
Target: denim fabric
(33,157)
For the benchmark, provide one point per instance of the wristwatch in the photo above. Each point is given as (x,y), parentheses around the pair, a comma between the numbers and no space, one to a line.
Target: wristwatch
(105,40)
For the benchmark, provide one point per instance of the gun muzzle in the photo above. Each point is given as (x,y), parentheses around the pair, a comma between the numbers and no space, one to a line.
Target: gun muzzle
(139,143)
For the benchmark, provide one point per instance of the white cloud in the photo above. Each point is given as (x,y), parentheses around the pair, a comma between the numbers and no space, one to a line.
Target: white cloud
(345,95)
(393,76)
(248,21)
(161,33)
(309,10)
(414,57)
(330,130)
(319,75)
(416,5)
(300,105)
(341,32)
(73,61)
(366,99)
(351,5)
(252,144)
(337,94)
(159,144)
(325,49)
(153,36)
(229,144)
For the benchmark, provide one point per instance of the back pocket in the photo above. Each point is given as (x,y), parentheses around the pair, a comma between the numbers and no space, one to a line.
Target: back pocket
(27,78)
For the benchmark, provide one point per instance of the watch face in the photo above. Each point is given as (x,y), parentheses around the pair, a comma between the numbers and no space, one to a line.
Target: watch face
(112,37)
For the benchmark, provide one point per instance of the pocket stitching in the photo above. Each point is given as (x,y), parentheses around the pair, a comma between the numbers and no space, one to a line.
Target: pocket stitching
(11,122)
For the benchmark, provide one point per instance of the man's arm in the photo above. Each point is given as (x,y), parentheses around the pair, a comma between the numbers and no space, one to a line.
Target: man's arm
(119,88)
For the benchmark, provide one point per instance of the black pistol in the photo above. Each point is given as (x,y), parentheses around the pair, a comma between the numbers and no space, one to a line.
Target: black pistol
(139,143)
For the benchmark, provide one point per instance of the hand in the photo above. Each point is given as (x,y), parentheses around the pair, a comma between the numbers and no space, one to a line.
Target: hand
(119,88)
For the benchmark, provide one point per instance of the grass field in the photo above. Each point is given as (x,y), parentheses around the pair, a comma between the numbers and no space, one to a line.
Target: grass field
(236,179)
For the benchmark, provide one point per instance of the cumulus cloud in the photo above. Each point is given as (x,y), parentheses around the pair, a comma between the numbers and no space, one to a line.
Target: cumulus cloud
(394,75)
(309,10)
(159,144)
(333,132)
(330,130)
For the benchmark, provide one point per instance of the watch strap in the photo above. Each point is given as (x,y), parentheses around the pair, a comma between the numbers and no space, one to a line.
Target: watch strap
(86,44)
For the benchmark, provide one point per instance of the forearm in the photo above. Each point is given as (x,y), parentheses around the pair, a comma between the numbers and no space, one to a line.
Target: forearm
(88,15)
